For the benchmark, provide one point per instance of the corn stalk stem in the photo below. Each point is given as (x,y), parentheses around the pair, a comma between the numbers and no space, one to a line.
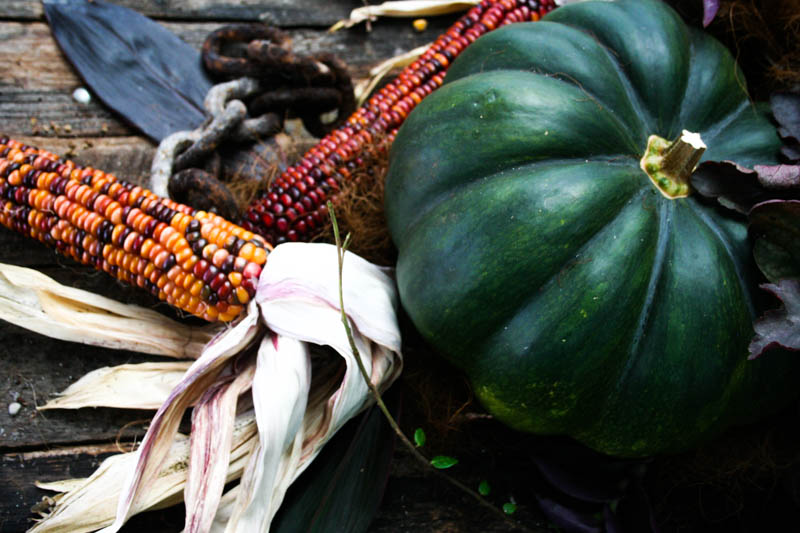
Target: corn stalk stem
(341,248)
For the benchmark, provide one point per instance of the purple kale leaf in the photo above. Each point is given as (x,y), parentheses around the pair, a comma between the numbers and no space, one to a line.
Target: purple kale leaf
(786,110)
(779,327)
(740,189)
(775,229)
(732,185)
(710,8)
(778,177)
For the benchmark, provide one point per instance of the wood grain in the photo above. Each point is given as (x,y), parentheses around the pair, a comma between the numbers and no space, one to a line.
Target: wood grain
(36,94)
(20,471)
(282,12)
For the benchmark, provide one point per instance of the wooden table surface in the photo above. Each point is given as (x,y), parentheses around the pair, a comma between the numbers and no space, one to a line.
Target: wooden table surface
(36,107)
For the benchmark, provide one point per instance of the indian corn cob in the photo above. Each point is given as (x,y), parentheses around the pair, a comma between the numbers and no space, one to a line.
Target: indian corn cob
(198,261)
(194,260)
(294,205)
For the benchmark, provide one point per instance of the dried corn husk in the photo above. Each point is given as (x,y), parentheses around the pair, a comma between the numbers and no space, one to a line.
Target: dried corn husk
(62,485)
(403,8)
(131,386)
(91,503)
(364,88)
(154,449)
(211,439)
(296,415)
(283,376)
(303,289)
(31,300)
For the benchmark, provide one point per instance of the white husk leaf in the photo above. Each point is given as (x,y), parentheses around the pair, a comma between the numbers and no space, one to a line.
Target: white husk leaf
(225,509)
(91,503)
(301,287)
(211,438)
(298,299)
(31,300)
(377,73)
(62,485)
(404,8)
(155,446)
(130,386)
(280,392)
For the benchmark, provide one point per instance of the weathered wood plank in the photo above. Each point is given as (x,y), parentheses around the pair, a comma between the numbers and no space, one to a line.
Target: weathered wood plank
(36,368)
(18,494)
(55,113)
(280,12)
(413,501)
(40,65)
(36,94)
(19,472)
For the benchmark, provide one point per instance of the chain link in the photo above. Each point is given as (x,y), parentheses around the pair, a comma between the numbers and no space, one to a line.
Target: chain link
(270,84)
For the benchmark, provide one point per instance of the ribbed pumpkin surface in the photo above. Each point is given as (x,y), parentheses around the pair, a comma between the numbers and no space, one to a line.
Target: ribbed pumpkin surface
(539,258)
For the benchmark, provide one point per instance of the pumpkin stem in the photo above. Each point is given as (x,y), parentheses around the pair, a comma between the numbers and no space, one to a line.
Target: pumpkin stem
(670,164)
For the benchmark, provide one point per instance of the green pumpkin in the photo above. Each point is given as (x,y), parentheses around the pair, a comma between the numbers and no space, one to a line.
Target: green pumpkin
(537,255)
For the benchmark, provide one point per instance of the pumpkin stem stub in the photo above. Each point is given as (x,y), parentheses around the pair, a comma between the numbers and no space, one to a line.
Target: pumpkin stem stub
(670,164)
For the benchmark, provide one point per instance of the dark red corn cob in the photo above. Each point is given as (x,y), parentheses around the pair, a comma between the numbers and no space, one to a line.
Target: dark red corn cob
(193,260)
(294,205)
(198,261)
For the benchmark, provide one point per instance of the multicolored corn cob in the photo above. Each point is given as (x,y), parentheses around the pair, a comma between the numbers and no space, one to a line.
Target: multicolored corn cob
(294,205)
(196,261)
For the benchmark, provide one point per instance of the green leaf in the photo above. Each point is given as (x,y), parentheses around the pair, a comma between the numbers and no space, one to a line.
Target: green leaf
(341,490)
(419,437)
(509,507)
(484,489)
(443,461)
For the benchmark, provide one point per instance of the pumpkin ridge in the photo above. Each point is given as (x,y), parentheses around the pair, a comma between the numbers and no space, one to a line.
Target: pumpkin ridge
(616,25)
(641,111)
(623,128)
(709,101)
(512,41)
(537,339)
(613,139)
(435,201)
(629,187)
(724,239)
(622,125)
(554,277)
(580,251)
(666,208)
(713,131)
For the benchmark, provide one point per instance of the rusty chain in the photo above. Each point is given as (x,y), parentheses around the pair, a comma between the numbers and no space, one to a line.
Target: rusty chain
(264,82)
